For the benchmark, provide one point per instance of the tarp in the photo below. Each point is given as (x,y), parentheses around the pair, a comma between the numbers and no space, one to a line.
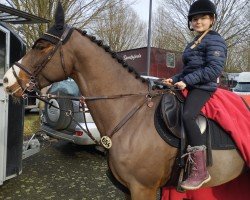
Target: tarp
(231,113)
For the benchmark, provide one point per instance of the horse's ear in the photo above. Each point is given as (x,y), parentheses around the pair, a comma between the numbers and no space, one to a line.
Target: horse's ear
(59,16)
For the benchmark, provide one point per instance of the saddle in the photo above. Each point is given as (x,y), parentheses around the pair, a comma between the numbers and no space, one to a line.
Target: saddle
(168,123)
(171,111)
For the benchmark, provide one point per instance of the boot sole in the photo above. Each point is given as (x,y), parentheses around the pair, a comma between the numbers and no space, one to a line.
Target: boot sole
(198,186)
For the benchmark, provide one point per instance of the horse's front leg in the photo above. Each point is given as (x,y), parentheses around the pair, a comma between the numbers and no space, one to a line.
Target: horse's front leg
(127,196)
(139,192)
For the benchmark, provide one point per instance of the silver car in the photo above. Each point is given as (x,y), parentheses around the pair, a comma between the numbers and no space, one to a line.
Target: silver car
(57,124)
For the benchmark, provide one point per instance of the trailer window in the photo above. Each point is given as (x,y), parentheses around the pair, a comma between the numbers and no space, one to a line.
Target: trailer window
(170,62)
(2,53)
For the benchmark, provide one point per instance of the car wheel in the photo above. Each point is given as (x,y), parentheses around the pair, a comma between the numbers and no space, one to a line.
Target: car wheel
(56,118)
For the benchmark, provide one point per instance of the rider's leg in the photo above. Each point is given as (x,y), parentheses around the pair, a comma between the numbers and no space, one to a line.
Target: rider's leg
(194,102)
(197,150)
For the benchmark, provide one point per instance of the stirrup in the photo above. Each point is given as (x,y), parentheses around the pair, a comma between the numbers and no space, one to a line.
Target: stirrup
(180,180)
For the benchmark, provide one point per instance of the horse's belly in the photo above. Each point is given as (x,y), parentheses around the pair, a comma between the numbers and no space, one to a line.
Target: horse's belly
(227,165)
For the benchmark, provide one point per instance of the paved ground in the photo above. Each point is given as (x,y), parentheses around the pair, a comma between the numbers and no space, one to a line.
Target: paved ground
(62,171)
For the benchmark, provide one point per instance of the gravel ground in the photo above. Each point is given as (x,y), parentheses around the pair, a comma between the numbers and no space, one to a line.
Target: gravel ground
(62,171)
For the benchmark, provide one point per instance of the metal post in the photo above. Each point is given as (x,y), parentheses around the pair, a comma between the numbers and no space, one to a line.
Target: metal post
(149,38)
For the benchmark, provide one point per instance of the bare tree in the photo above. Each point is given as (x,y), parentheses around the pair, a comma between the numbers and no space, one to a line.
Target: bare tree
(239,58)
(78,13)
(232,23)
(120,27)
(166,34)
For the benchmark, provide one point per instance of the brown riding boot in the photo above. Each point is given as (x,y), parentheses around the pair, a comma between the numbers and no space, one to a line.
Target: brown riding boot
(198,174)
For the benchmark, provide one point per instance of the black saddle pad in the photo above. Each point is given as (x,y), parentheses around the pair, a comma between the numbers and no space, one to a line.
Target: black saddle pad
(220,140)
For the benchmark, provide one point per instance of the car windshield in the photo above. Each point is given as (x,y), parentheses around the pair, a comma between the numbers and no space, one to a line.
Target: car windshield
(242,87)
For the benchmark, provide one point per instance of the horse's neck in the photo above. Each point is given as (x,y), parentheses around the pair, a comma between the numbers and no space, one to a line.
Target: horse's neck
(101,75)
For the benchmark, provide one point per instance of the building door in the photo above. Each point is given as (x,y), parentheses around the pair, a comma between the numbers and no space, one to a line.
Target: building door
(4,64)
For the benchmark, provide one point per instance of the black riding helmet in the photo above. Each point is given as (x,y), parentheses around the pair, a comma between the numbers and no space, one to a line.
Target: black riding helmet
(201,7)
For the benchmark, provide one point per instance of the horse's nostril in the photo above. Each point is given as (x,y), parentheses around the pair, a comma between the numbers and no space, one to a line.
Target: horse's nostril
(5,80)
(8,90)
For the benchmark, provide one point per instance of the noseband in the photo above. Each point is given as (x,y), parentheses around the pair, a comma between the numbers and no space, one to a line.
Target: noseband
(39,66)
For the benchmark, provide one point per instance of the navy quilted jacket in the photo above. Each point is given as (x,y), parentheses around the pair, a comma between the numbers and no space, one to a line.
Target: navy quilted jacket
(203,64)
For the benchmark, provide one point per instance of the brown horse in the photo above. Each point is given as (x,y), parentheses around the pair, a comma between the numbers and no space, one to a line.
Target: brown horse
(138,158)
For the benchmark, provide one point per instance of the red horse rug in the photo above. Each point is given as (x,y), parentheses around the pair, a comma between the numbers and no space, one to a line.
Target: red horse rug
(232,114)
(238,188)
(228,110)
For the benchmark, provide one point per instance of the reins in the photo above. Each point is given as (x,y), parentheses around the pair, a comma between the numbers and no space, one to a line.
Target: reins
(105,140)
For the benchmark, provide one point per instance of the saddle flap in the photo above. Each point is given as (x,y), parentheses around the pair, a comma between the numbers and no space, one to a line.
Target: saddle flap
(171,112)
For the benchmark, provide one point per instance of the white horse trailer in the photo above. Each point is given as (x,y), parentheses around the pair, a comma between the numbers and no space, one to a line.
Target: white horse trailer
(12,48)
(4,59)
(11,114)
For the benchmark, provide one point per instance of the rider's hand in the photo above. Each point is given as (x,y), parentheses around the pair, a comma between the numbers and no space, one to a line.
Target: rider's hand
(168,81)
(181,85)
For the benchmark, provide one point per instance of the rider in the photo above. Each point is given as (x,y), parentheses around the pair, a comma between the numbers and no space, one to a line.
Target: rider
(204,59)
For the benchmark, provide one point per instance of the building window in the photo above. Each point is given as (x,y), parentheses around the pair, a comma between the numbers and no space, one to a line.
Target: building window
(170,60)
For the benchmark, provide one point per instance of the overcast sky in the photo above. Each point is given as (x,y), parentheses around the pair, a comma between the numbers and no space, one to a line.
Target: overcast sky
(142,8)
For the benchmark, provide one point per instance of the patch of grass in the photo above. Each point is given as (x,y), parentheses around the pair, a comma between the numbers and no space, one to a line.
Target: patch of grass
(31,124)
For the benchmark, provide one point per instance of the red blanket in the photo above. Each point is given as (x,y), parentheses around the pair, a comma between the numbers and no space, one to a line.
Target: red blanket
(228,110)
(236,189)
(231,113)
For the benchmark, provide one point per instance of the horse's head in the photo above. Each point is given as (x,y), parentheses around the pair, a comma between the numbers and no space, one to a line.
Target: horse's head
(44,63)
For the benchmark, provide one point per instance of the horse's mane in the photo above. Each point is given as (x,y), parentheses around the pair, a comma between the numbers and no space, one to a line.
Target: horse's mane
(113,54)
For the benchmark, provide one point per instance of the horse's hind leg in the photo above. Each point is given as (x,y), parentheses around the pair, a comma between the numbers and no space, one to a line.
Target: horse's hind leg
(143,193)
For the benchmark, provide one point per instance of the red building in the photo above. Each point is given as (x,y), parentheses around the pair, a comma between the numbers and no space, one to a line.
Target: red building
(164,63)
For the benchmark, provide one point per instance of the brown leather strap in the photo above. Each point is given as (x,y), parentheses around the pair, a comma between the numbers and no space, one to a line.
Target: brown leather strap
(42,63)
(87,131)
(126,118)
(63,63)
(198,41)
(23,68)
(93,98)
(17,78)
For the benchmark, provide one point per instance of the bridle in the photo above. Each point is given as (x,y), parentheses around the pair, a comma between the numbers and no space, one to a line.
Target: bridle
(32,85)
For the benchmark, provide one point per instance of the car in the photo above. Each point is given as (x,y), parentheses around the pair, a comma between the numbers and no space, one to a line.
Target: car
(57,124)
(243,84)
(242,87)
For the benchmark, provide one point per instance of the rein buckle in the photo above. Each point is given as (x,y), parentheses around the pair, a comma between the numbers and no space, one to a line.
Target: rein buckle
(30,85)
(24,96)
(150,103)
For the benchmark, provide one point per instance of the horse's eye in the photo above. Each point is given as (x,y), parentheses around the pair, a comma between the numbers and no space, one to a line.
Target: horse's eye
(39,47)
